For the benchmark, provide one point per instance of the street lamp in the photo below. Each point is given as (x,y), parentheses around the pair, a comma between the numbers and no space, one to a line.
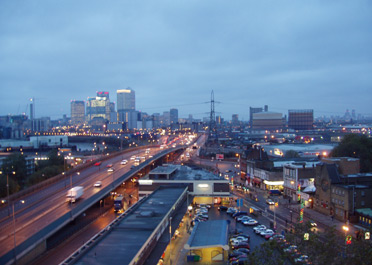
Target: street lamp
(7,187)
(14,232)
(170,240)
(240,172)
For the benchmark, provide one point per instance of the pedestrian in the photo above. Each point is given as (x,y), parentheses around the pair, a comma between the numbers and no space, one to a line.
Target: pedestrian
(332,218)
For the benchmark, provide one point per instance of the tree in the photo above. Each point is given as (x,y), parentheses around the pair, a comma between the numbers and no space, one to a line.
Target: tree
(358,146)
(15,163)
(291,154)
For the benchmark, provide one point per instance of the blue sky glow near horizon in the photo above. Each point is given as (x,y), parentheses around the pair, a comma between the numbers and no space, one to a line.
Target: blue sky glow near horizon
(284,54)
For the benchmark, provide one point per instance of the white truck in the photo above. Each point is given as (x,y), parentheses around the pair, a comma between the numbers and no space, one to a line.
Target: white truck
(74,193)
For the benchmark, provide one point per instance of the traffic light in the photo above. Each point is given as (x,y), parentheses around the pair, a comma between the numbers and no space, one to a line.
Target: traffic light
(348,240)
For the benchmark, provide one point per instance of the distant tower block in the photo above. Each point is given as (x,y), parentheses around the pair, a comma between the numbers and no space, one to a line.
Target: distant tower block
(32,111)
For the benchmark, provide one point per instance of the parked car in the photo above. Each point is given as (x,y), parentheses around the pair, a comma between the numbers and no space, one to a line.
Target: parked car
(278,237)
(243,218)
(98,184)
(239,213)
(267,232)
(232,210)
(202,215)
(250,222)
(240,261)
(258,231)
(124,162)
(270,202)
(240,257)
(222,208)
(204,205)
(291,249)
(237,240)
(202,209)
(259,227)
(241,245)
(236,253)
(302,259)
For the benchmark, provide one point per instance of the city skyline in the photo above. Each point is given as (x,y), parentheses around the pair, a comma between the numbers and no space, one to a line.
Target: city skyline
(285,55)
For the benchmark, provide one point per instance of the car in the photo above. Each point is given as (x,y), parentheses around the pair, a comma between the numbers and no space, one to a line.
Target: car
(302,259)
(241,245)
(270,202)
(98,184)
(239,239)
(124,162)
(109,165)
(278,237)
(239,213)
(250,222)
(258,228)
(239,257)
(201,215)
(111,169)
(98,163)
(284,244)
(204,205)
(222,208)
(237,242)
(291,249)
(237,253)
(267,232)
(242,218)
(313,224)
(232,210)
(132,157)
(240,261)
(197,211)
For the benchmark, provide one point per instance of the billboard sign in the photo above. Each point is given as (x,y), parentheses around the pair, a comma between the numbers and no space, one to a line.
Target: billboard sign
(219,156)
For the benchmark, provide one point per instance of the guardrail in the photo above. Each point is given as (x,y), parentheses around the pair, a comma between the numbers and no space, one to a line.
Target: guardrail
(76,210)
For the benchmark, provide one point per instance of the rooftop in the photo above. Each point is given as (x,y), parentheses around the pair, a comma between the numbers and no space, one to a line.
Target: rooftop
(185,173)
(126,238)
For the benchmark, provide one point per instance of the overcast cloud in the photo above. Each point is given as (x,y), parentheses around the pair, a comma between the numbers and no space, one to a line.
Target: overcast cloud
(285,54)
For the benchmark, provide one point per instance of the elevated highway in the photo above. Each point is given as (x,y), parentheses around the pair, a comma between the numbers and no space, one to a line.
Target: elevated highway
(45,211)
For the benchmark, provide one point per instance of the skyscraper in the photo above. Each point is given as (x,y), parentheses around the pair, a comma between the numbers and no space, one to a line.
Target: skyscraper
(98,107)
(77,112)
(173,116)
(126,99)
(126,106)
(235,119)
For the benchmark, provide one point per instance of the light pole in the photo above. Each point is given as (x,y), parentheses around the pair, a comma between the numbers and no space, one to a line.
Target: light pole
(7,187)
(240,172)
(346,229)
(14,233)
(170,240)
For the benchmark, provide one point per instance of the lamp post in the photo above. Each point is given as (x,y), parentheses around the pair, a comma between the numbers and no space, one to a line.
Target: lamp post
(240,172)
(7,187)
(346,229)
(170,240)
(14,233)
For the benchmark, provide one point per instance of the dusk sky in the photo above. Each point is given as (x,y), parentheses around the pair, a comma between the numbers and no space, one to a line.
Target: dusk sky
(285,54)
